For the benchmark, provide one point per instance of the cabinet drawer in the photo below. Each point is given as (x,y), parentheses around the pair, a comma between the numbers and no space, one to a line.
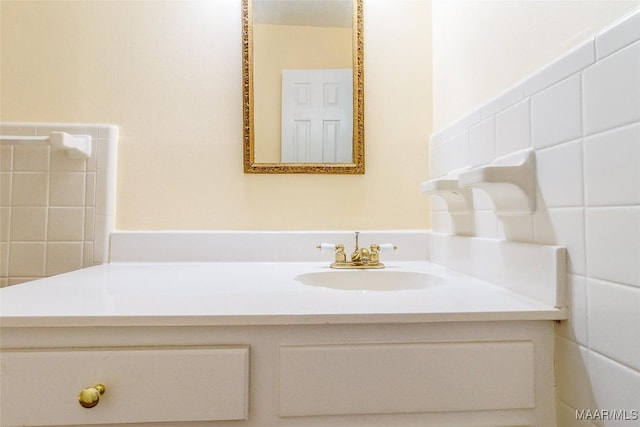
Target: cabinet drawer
(406,378)
(142,385)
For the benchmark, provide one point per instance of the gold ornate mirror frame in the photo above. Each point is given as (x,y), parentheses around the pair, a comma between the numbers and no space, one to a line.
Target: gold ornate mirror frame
(250,165)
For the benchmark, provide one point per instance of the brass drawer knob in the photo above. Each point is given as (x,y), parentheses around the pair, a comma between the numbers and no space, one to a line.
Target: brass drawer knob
(90,397)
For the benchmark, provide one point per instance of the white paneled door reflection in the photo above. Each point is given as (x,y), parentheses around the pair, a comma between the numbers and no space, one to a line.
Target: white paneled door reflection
(317,116)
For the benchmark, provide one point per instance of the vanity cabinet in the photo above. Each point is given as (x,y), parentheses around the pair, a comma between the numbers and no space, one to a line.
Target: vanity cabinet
(198,372)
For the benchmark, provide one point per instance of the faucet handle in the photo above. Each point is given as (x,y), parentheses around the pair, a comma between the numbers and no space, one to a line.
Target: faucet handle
(340,256)
(326,247)
(387,247)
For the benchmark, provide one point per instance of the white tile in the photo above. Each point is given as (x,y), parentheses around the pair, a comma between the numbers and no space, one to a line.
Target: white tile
(441,222)
(450,155)
(103,226)
(614,321)
(108,131)
(65,224)
(63,257)
(26,259)
(93,130)
(67,189)
(5,216)
(112,153)
(31,158)
(570,63)
(87,255)
(28,224)
(564,227)
(92,162)
(18,129)
(457,127)
(503,101)
(90,189)
(61,163)
(613,246)
(618,35)
(104,193)
(576,327)
(89,224)
(6,158)
(516,228)
(437,159)
(513,129)
(5,188)
(612,167)
(559,175)
(572,379)
(486,224)
(614,387)
(482,142)
(611,90)
(103,155)
(4,259)
(29,189)
(556,114)
(458,152)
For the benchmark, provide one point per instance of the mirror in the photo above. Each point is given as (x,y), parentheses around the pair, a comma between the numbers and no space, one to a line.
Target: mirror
(303,86)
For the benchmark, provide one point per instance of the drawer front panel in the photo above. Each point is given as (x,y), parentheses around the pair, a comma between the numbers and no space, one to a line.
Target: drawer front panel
(405,378)
(146,385)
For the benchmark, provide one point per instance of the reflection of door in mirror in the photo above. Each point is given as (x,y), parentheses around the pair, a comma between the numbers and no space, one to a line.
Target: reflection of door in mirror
(300,35)
(317,120)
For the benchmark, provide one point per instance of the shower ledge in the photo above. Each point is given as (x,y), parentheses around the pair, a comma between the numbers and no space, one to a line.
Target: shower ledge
(509,182)
(459,201)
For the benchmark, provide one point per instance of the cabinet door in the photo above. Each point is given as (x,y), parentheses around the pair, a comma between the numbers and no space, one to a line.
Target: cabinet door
(142,385)
(406,378)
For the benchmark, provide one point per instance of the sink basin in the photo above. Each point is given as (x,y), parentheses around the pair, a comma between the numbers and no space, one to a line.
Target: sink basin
(370,280)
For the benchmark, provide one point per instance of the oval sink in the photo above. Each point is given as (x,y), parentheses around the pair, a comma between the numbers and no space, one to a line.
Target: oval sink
(370,280)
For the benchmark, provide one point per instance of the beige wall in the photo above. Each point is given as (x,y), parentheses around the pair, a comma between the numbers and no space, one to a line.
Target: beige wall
(477,44)
(280,47)
(169,74)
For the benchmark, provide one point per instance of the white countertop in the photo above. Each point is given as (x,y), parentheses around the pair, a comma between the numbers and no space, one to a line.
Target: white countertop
(250,293)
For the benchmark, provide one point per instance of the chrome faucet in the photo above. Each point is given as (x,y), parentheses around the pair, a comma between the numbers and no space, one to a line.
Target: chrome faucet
(360,258)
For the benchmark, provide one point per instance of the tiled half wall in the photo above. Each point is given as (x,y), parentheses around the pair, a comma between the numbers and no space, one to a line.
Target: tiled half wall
(581,116)
(56,212)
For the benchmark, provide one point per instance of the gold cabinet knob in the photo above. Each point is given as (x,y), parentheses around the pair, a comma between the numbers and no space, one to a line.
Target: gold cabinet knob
(90,397)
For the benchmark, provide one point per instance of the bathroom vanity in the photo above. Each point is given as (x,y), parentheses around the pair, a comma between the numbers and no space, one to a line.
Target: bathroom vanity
(275,343)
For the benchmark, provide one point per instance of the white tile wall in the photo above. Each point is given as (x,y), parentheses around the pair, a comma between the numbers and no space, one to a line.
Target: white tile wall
(563,227)
(613,246)
(49,220)
(482,142)
(555,113)
(559,171)
(618,35)
(612,91)
(565,66)
(581,114)
(618,309)
(617,154)
(575,329)
(613,386)
(513,131)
